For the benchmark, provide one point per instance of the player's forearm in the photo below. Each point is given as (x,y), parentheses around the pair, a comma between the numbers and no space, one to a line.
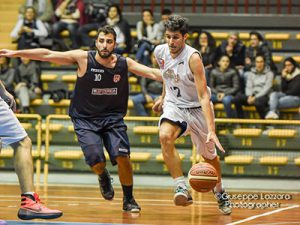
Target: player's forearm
(209,115)
(34,54)
(157,74)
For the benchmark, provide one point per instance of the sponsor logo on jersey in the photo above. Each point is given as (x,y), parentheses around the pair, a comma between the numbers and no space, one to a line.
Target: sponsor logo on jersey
(123,150)
(97,70)
(117,78)
(161,63)
(98,77)
(104,91)
(170,74)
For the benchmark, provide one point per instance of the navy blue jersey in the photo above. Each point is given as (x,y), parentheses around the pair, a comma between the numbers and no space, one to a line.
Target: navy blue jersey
(101,91)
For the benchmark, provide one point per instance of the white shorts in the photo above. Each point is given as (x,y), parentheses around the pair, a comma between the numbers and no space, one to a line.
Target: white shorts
(11,131)
(193,122)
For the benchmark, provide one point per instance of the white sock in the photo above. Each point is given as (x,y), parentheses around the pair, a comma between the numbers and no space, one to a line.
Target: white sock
(179,181)
(29,193)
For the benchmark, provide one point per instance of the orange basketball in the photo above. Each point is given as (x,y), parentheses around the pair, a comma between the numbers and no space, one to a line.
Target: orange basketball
(203,177)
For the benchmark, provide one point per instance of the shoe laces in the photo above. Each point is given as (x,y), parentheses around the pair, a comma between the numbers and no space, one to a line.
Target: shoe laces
(37,198)
(180,189)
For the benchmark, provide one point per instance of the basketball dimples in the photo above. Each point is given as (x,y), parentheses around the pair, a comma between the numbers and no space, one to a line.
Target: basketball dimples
(203,177)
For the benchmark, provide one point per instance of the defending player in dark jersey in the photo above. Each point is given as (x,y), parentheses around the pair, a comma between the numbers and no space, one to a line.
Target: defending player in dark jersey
(99,105)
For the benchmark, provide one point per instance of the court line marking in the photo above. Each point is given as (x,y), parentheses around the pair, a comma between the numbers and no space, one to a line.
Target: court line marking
(284,223)
(264,214)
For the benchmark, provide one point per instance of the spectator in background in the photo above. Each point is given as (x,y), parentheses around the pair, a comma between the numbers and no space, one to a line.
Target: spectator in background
(43,8)
(234,49)
(29,30)
(96,10)
(289,96)
(148,37)
(28,87)
(7,74)
(258,46)
(121,27)
(224,84)
(258,87)
(97,14)
(68,13)
(151,89)
(206,45)
(164,17)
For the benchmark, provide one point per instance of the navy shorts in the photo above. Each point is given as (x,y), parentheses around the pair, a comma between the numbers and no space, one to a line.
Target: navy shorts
(94,134)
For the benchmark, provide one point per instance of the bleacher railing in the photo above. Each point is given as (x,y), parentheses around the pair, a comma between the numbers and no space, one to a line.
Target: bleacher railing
(254,147)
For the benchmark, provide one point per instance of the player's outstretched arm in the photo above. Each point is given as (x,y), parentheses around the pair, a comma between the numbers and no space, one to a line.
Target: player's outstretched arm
(42,54)
(142,70)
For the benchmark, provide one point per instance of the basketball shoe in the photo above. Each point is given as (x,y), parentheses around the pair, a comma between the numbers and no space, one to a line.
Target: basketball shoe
(182,196)
(131,205)
(106,188)
(223,201)
(32,208)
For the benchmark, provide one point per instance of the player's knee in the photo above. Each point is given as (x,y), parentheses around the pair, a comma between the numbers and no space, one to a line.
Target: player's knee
(99,167)
(122,159)
(166,138)
(26,143)
(92,157)
(209,157)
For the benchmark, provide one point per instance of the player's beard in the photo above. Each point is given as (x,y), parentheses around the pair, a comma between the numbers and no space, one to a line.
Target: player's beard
(106,54)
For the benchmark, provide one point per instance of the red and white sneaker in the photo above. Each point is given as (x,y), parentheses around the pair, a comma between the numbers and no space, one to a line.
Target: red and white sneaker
(32,208)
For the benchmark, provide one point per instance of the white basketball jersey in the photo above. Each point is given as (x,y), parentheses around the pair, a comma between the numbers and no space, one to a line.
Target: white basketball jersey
(179,80)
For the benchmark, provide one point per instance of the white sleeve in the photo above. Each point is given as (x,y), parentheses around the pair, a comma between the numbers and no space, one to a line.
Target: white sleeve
(41,30)
(14,34)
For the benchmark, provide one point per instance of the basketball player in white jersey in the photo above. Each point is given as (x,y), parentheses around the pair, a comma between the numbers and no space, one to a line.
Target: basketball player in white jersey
(186,108)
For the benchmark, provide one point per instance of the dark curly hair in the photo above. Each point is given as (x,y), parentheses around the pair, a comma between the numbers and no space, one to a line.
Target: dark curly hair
(177,23)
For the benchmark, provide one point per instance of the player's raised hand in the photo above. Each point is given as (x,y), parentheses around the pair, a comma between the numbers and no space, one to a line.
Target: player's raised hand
(212,138)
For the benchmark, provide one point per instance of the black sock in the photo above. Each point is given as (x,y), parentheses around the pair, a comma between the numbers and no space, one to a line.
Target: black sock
(127,191)
(103,174)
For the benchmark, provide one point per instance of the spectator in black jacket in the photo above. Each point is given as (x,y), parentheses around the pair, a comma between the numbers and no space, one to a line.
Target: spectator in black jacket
(224,84)
(114,19)
(258,46)
(234,49)
(121,27)
(289,97)
(206,45)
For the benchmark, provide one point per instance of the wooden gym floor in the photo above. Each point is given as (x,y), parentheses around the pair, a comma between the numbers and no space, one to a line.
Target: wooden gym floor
(83,205)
